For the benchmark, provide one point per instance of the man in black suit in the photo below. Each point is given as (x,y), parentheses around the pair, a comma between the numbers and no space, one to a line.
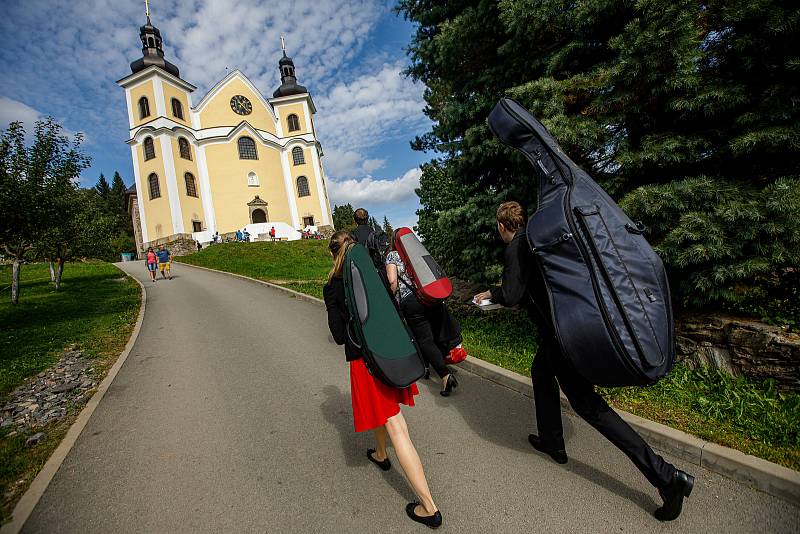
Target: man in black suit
(523,284)
(363,230)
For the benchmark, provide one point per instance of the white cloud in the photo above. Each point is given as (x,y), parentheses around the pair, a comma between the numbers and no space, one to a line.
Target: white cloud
(13,110)
(371,109)
(370,190)
(349,163)
(372,165)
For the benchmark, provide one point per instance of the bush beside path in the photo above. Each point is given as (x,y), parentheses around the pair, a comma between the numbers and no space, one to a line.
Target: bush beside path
(53,341)
(752,417)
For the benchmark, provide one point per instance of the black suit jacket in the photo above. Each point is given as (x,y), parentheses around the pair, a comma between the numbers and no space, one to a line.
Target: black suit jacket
(338,317)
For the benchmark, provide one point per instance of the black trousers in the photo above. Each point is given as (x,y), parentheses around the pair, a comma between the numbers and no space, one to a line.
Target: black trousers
(549,369)
(434,329)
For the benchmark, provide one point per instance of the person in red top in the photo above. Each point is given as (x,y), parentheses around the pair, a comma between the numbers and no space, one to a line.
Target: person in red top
(152,263)
(376,406)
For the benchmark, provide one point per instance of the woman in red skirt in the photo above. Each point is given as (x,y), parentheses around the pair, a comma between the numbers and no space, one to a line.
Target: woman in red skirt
(376,406)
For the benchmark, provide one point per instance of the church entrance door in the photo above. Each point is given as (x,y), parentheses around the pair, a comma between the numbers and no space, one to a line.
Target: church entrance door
(259,216)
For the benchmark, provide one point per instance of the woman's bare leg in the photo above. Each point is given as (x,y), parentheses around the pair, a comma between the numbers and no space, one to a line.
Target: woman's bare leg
(409,461)
(380,440)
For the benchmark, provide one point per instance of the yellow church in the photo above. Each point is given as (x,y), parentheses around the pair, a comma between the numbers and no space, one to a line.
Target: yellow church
(234,160)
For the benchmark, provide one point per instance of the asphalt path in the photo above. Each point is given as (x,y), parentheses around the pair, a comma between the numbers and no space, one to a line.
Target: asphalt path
(232,414)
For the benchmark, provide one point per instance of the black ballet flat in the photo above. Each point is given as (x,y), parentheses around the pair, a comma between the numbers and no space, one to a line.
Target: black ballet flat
(385,464)
(430,521)
(452,384)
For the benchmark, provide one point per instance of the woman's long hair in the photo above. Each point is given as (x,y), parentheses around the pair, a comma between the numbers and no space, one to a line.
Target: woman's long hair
(338,245)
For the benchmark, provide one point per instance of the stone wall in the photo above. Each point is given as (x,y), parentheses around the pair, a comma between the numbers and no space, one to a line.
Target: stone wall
(178,244)
(740,346)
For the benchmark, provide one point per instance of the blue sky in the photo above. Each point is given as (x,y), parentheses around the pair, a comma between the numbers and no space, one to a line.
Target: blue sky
(62,58)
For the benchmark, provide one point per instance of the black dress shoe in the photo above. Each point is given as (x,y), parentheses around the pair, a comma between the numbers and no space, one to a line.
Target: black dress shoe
(430,521)
(559,455)
(673,494)
(385,464)
(452,384)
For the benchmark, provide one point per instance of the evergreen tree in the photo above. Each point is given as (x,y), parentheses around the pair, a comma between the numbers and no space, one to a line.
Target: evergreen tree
(117,193)
(102,188)
(685,112)
(373,223)
(386,226)
(343,218)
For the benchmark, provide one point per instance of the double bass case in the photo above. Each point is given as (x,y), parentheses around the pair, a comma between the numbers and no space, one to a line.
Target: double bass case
(375,326)
(430,283)
(609,295)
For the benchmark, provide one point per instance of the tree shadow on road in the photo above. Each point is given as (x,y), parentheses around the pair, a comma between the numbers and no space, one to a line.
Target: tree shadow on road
(337,412)
(504,417)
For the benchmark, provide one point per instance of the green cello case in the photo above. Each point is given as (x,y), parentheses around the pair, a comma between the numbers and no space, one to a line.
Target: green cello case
(375,326)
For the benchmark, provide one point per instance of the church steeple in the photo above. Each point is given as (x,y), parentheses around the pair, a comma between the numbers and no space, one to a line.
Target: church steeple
(289,85)
(152,51)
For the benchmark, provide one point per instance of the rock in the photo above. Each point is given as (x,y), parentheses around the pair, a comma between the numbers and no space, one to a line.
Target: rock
(36,439)
(740,346)
(63,388)
(6,422)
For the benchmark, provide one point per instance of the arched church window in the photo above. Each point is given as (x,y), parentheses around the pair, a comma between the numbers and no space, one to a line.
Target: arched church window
(191,186)
(297,156)
(155,189)
(183,147)
(177,108)
(150,42)
(144,107)
(294,122)
(149,149)
(247,148)
(302,187)
(252,179)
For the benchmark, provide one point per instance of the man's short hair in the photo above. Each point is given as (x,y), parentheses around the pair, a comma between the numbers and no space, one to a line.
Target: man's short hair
(360,216)
(511,215)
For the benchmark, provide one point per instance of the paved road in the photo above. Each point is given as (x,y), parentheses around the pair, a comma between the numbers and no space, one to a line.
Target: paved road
(232,414)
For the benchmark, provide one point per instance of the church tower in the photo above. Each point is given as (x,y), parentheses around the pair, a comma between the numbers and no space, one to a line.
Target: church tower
(235,159)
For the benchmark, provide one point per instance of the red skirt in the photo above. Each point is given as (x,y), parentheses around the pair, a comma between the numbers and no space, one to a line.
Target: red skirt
(373,401)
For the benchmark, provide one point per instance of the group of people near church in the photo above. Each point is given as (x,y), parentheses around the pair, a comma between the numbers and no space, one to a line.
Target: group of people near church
(376,405)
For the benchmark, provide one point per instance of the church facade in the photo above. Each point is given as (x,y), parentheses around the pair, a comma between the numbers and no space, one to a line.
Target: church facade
(233,159)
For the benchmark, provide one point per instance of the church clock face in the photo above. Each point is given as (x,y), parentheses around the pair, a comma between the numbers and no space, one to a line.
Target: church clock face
(241,105)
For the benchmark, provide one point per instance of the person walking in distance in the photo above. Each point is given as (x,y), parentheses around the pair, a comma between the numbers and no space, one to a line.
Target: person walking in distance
(164,260)
(272,234)
(522,283)
(376,406)
(151,261)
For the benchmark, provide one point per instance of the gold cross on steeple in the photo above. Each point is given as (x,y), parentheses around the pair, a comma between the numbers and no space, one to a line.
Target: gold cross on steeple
(147,8)
(283,44)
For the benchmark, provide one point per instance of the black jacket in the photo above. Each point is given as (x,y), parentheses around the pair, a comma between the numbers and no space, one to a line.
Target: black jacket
(522,282)
(338,317)
(361,233)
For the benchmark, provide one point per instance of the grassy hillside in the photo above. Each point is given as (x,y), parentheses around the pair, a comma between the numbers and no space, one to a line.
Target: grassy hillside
(287,261)
(738,413)
(96,309)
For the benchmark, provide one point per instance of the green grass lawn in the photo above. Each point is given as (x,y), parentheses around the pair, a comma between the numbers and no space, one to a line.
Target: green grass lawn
(284,261)
(742,414)
(95,309)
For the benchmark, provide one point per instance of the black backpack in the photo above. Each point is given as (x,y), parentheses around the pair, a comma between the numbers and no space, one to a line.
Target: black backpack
(378,245)
(609,296)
